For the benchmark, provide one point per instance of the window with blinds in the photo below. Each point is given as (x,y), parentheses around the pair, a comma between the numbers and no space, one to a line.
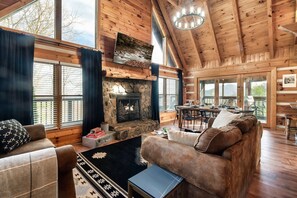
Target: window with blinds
(57,95)
(44,100)
(72,100)
(168,94)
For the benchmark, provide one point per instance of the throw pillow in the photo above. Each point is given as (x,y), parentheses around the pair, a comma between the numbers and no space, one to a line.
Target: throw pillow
(244,123)
(12,135)
(215,141)
(224,118)
(185,138)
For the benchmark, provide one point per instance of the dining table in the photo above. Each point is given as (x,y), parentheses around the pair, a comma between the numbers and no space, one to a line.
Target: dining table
(212,110)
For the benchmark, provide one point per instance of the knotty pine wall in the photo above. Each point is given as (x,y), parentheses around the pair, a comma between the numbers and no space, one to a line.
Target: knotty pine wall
(131,17)
(285,62)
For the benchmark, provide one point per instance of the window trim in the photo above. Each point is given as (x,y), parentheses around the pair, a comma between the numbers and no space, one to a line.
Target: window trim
(165,93)
(57,94)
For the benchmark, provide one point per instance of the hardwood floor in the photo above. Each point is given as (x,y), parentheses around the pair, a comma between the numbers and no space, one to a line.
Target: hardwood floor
(277,174)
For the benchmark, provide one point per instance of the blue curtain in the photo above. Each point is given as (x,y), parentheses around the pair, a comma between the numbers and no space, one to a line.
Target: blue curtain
(180,87)
(16,76)
(155,94)
(93,114)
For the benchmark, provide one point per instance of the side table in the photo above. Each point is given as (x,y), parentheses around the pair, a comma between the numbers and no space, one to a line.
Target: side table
(155,182)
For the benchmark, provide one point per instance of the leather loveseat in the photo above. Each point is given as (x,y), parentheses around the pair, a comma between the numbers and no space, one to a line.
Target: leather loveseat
(227,174)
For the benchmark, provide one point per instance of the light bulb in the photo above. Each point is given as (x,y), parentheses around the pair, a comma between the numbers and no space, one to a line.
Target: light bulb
(202,14)
(192,24)
(183,11)
(191,9)
(174,18)
(179,24)
(198,10)
(177,14)
(199,21)
(186,25)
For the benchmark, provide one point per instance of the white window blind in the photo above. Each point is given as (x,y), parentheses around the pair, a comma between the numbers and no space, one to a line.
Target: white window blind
(44,100)
(72,100)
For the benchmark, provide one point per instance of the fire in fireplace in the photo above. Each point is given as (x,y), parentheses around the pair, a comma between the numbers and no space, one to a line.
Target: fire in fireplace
(128,107)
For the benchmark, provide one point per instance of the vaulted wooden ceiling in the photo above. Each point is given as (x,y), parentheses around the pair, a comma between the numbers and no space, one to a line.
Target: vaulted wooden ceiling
(8,6)
(233,29)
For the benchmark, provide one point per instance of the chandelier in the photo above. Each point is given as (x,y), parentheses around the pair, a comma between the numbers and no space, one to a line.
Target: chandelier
(189,17)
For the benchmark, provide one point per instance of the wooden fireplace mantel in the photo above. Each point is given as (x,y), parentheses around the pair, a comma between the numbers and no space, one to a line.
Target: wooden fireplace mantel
(113,70)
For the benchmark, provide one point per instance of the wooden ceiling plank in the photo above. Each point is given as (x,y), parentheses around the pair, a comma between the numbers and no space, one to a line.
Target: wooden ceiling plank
(171,31)
(194,41)
(14,7)
(270,28)
(207,14)
(239,29)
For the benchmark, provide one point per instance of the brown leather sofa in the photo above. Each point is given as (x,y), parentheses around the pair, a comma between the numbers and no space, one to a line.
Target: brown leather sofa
(210,175)
(66,158)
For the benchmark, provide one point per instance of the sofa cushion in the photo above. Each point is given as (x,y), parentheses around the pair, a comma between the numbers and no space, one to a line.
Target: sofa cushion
(244,123)
(185,138)
(31,146)
(12,135)
(224,118)
(215,141)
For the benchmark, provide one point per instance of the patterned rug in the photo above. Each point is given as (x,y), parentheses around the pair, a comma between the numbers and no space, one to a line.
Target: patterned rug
(83,187)
(108,168)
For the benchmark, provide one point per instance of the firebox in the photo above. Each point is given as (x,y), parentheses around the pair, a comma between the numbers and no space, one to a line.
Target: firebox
(128,107)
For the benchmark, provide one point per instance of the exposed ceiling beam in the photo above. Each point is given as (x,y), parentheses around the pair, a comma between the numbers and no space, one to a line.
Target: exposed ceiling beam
(270,28)
(207,14)
(193,40)
(14,7)
(239,29)
(171,31)
(295,38)
(173,2)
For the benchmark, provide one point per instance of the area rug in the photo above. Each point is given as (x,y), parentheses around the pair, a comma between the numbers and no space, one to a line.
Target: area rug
(108,168)
(83,188)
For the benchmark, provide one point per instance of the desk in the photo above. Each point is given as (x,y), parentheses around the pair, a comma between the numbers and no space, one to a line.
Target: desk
(198,109)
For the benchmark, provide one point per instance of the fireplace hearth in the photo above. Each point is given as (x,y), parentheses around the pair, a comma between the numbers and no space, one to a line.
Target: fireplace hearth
(128,107)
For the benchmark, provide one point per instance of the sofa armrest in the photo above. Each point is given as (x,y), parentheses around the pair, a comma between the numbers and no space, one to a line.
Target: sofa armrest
(36,131)
(208,172)
(66,158)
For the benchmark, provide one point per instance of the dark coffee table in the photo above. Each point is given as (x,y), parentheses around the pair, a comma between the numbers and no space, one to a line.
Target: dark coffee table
(154,182)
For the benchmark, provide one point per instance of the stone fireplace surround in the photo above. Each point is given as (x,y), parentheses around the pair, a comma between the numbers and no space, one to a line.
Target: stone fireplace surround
(128,86)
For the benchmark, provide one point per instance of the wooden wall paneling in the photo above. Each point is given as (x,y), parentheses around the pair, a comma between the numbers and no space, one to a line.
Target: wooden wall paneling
(208,17)
(170,28)
(270,28)
(239,30)
(273,98)
(65,136)
(169,116)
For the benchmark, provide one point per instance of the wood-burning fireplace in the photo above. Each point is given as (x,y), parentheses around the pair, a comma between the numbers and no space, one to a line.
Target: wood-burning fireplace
(128,107)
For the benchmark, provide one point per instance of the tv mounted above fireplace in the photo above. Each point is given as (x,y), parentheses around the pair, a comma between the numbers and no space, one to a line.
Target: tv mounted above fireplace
(132,52)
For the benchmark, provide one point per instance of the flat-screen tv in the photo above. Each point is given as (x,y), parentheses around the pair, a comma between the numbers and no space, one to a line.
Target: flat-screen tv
(132,52)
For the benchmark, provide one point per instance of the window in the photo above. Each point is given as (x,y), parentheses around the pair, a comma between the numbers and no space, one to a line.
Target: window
(157,40)
(168,94)
(36,18)
(207,91)
(78,20)
(43,95)
(170,61)
(57,104)
(71,95)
